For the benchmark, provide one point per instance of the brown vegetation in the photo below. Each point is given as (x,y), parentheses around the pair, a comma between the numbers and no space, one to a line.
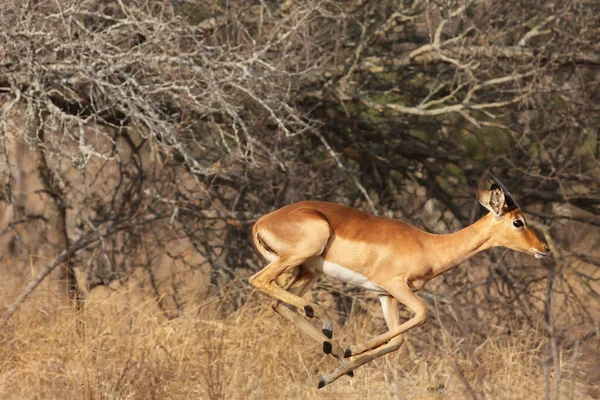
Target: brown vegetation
(141,138)
(122,347)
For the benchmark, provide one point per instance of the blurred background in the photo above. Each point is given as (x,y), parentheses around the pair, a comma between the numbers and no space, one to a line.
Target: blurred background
(141,139)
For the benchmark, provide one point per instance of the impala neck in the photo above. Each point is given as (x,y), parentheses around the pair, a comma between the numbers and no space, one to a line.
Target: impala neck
(448,251)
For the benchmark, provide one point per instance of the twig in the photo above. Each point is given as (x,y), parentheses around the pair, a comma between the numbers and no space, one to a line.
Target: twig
(343,168)
(553,357)
(64,255)
(574,370)
(537,30)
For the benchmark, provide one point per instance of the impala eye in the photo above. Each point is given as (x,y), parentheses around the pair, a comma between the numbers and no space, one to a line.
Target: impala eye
(518,223)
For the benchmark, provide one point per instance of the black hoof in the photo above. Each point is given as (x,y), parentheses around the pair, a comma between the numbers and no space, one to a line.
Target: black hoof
(328,333)
(348,352)
(350,374)
(321,383)
(309,311)
(327,347)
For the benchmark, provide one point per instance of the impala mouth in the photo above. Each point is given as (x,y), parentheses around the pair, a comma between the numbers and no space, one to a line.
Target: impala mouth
(539,254)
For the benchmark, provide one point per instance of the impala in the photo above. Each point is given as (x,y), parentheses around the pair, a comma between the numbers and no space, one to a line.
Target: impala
(388,257)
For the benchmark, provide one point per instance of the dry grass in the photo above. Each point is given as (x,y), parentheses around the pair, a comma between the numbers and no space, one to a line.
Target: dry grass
(121,347)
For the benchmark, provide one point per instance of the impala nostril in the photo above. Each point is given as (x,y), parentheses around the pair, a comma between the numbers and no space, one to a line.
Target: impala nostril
(547,249)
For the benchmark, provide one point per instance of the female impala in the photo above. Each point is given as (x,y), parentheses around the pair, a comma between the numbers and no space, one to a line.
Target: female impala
(388,257)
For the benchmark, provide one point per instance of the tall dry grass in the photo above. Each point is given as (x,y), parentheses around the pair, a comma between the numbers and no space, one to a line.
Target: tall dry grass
(121,347)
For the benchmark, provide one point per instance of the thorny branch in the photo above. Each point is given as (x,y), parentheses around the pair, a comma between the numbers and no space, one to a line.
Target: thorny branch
(203,118)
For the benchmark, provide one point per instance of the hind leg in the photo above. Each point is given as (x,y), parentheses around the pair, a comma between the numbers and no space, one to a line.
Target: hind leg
(309,237)
(263,281)
(301,284)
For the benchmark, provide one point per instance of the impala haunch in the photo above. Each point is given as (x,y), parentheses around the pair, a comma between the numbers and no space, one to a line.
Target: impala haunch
(388,257)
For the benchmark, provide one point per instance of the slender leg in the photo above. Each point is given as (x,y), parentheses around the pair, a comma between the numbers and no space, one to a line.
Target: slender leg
(401,292)
(329,347)
(300,285)
(391,313)
(263,280)
(347,368)
(315,232)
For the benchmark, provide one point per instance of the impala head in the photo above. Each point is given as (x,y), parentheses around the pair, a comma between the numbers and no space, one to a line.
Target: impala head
(510,229)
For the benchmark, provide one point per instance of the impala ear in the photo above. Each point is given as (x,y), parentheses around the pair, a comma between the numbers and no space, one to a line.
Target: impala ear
(510,201)
(493,199)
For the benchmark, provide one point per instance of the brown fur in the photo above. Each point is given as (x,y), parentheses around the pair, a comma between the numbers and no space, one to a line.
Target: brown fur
(395,256)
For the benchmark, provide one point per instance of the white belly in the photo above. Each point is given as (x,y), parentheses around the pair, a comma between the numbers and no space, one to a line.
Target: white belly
(343,274)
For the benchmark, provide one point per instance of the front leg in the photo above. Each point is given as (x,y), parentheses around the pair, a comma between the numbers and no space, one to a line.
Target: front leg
(348,368)
(391,313)
(401,292)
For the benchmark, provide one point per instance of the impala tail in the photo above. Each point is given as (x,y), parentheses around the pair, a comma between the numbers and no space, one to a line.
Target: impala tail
(263,243)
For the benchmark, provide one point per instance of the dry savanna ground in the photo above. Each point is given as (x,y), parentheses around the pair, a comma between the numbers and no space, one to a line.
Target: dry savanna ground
(161,129)
(120,346)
